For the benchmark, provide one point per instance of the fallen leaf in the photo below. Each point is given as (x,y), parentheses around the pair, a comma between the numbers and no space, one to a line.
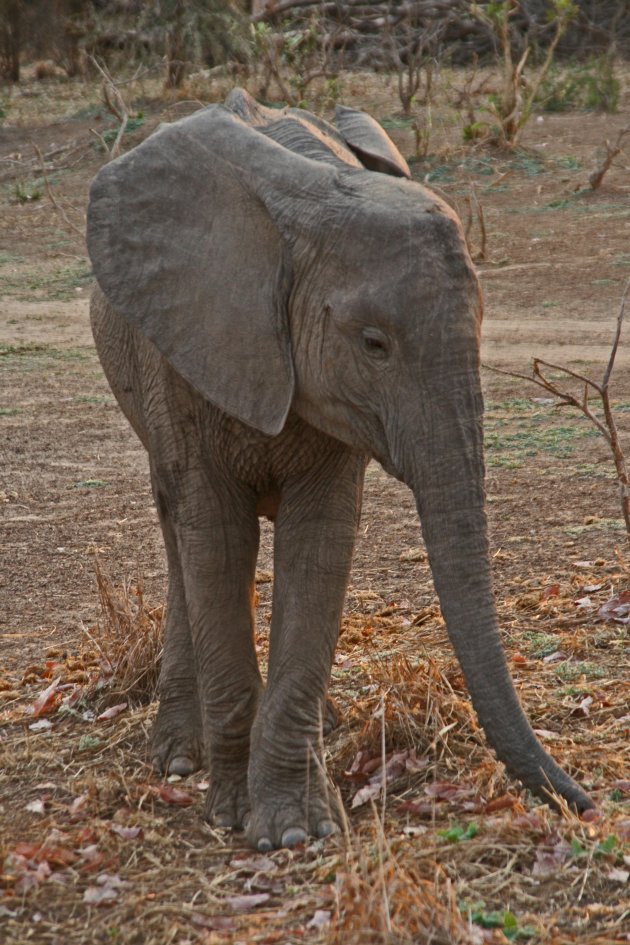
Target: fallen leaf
(619,876)
(616,609)
(8,913)
(46,702)
(246,903)
(549,859)
(320,920)
(43,725)
(367,793)
(173,795)
(107,889)
(99,895)
(254,864)
(112,712)
(585,603)
(37,806)
(214,923)
(78,806)
(419,808)
(552,590)
(127,833)
(505,802)
(555,657)
(55,856)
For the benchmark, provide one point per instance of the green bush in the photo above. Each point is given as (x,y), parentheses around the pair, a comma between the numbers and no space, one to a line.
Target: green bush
(590,85)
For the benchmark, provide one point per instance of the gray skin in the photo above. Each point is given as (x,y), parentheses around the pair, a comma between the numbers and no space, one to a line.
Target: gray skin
(270,314)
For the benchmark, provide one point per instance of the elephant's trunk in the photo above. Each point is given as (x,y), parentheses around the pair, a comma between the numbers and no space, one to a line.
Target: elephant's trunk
(447,478)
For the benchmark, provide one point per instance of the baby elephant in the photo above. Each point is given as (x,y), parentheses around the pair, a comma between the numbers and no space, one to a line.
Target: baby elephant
(278,302)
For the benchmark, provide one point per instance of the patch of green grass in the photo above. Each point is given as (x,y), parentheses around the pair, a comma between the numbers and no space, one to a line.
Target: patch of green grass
(513,405)
(529,164)
(89,113)
(89,484)
(396,122)
(455,833)
(570,671)
(593,471)
(558,441)
(504,920)
(8,258)
(540,644)
(34,349)
(601,524)
(37,284)
(569,162)
(94,399)
(26,348)
(27,191)
(9,411)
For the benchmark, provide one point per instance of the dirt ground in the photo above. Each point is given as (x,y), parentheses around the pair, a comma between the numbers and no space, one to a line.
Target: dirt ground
(74,488)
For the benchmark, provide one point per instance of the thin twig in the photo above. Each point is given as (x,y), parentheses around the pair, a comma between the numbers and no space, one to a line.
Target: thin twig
(62,213)
(608,428)
(597,175)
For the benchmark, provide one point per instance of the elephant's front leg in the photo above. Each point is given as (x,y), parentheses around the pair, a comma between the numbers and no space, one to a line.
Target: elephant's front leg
(216,531)
(314,540)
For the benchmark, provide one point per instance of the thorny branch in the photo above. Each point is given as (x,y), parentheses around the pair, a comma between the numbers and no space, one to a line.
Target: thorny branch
(608,428)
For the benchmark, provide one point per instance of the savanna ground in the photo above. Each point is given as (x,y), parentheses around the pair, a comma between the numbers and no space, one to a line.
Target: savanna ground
(95,848)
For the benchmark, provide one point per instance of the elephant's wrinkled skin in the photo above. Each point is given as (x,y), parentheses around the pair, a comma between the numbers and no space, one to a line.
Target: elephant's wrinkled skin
(270,314)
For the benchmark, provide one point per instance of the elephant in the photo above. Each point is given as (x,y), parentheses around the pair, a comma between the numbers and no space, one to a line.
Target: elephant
(277,302)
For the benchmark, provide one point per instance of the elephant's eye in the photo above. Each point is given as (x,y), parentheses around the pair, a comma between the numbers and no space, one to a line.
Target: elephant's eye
(375,343)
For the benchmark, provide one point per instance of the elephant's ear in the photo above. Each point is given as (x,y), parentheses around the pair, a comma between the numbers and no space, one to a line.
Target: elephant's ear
(372,146)
(184,248)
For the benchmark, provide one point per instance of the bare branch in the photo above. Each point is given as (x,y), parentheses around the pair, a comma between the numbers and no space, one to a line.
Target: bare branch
(613,353)
(62,213)
(608,428)
(596,176)
(116,105)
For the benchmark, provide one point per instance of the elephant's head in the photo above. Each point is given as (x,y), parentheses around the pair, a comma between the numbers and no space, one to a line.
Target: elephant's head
(275,272)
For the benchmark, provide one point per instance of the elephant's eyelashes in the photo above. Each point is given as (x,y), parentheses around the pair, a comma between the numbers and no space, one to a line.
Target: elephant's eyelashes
(375,343)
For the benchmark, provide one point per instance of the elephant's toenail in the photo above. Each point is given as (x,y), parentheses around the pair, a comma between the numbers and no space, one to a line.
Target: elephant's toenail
(293,836)
(325,828)
(181,765)
(265,845)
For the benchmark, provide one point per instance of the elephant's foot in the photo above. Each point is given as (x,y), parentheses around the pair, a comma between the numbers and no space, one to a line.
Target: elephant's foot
(227,801)
(176,741)
(284,815)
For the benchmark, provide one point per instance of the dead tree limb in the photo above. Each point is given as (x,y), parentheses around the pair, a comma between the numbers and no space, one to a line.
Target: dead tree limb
(116,105)
(607,427)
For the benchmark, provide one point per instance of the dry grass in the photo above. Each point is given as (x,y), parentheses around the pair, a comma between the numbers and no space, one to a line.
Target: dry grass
(128,639)
(450,852)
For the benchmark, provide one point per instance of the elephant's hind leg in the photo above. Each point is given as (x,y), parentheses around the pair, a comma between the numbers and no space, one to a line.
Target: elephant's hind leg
(177,736)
